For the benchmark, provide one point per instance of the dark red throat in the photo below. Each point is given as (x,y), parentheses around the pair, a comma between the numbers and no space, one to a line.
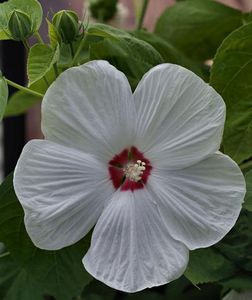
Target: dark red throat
(120,161)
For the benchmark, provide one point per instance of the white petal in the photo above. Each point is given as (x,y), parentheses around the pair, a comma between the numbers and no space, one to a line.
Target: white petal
(131,249)
(200,203)
(233,295)
(62,191)
(180,117)
(90,108)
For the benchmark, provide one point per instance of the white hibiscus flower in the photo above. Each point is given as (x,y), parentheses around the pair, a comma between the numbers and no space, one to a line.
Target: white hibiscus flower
(143,169)
(233,295)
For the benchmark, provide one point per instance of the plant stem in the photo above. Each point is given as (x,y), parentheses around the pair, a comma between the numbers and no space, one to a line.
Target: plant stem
(71,50)
(56,71)
(77,53)
(4,254)
(246,166)
(27,47)
(24,89)
(38,36)
(142,14)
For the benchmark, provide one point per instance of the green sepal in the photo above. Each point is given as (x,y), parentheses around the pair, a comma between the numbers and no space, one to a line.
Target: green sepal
(19,25)
(67,24)
(31,8)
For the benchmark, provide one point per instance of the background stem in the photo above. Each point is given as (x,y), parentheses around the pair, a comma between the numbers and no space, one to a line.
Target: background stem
(142,14)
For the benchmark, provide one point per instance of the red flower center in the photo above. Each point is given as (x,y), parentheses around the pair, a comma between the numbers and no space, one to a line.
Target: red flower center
(129,169)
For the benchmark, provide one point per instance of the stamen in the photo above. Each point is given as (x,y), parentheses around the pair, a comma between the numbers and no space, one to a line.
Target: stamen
(134,172)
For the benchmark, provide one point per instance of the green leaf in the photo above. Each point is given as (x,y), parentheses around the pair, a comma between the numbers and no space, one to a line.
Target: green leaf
(237,244)
(208,265)
(242,281)
(3,35)
(231,77)
(66,59)
(248,198)
(59,273)
(15,282)
(98,291)
(3,95)
(198,27)
(53,34)
(132,56)
(19,103)
(169,53)
(40,61)
(182,289)
(31,7)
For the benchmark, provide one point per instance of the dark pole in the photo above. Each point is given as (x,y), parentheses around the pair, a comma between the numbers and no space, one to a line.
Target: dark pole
(13,68)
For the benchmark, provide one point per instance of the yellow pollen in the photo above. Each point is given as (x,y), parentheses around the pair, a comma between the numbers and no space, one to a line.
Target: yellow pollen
(134,171)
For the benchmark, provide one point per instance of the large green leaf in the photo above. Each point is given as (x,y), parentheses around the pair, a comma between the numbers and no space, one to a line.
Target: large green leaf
(59,273)
(169,53)
(231,77)
(3,95)
(132,56)
(198,27)
(96,290)
(237,244)
(19,103)
(53,34)
(248,198)
(40,61)
(31,7)
(15,282)
(240,281)
(208,265)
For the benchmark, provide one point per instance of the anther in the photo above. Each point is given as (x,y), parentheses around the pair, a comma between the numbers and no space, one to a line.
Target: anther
(134,172)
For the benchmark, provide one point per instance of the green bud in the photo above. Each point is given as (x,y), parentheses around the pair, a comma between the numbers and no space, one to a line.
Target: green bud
(19,25)
(103,10)
(67,24)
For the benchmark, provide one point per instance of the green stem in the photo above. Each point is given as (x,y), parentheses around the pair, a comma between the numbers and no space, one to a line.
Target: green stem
(77,53)
(38,36)
(27,47)
(142,15)
(246,166)
(71,49)
(4,254)
(56,71)
(22,88)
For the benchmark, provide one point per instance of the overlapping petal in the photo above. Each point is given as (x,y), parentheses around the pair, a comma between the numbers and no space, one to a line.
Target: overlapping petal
(131,248)
(90,108)
(62,191)
(180,118)
(201,203)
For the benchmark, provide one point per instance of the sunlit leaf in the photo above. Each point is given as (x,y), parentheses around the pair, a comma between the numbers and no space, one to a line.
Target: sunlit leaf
(40,61)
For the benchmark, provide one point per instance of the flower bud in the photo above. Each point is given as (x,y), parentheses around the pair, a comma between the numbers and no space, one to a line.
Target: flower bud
(19,25)
(67,25)
(103,10)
